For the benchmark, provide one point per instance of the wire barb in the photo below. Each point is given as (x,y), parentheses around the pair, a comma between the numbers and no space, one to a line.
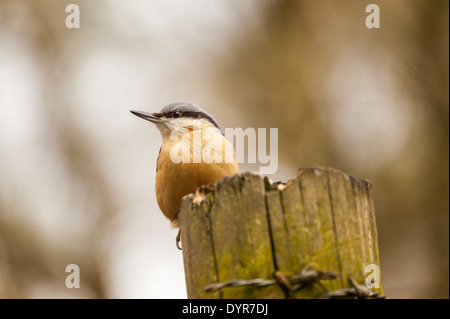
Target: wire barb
(310,276)
(358,291)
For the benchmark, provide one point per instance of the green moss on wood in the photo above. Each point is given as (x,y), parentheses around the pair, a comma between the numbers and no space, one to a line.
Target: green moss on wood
(248,227)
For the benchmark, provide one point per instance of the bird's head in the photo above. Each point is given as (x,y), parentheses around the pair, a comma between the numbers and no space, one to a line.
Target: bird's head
(179,118)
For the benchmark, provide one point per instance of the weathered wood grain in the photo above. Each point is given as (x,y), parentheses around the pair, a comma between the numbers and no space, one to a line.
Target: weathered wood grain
(198,251)
(245,227)
(241,235)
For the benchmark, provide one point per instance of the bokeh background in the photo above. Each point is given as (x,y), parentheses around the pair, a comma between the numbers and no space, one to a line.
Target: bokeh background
(77,169)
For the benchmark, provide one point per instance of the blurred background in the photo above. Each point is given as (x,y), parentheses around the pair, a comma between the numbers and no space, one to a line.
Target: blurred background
(77,169)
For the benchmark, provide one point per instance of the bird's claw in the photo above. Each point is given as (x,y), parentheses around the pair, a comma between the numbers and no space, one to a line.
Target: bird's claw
(178,240)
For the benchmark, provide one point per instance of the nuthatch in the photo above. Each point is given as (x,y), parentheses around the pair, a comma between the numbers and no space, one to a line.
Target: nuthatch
(206,157)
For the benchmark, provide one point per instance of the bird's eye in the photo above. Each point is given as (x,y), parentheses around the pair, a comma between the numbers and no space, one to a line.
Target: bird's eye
(176,114)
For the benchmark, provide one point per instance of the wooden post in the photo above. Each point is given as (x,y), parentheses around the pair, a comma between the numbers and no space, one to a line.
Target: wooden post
(246,227)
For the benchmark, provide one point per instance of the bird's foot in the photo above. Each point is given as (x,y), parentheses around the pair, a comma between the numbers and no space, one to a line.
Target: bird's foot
(178,240)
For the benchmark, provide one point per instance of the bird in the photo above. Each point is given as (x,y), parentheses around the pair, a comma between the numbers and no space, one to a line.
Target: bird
(194,152)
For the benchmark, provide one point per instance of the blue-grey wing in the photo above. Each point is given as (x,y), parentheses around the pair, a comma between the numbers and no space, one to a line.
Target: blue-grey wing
(158,160)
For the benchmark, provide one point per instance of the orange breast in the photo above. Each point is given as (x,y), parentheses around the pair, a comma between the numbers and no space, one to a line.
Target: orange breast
(175,180)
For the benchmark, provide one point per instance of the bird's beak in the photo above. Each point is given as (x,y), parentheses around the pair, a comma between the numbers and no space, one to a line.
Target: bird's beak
(155,118)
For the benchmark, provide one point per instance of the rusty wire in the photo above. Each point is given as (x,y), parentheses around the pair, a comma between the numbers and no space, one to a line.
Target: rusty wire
(308,276)
(258,282)
(358,291)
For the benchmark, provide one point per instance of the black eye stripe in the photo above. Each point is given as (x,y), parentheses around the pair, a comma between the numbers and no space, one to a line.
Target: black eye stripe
(173,114)
(194,115)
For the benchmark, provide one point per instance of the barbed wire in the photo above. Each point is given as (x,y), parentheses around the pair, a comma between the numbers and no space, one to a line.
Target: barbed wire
(357,291)
(308,276)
